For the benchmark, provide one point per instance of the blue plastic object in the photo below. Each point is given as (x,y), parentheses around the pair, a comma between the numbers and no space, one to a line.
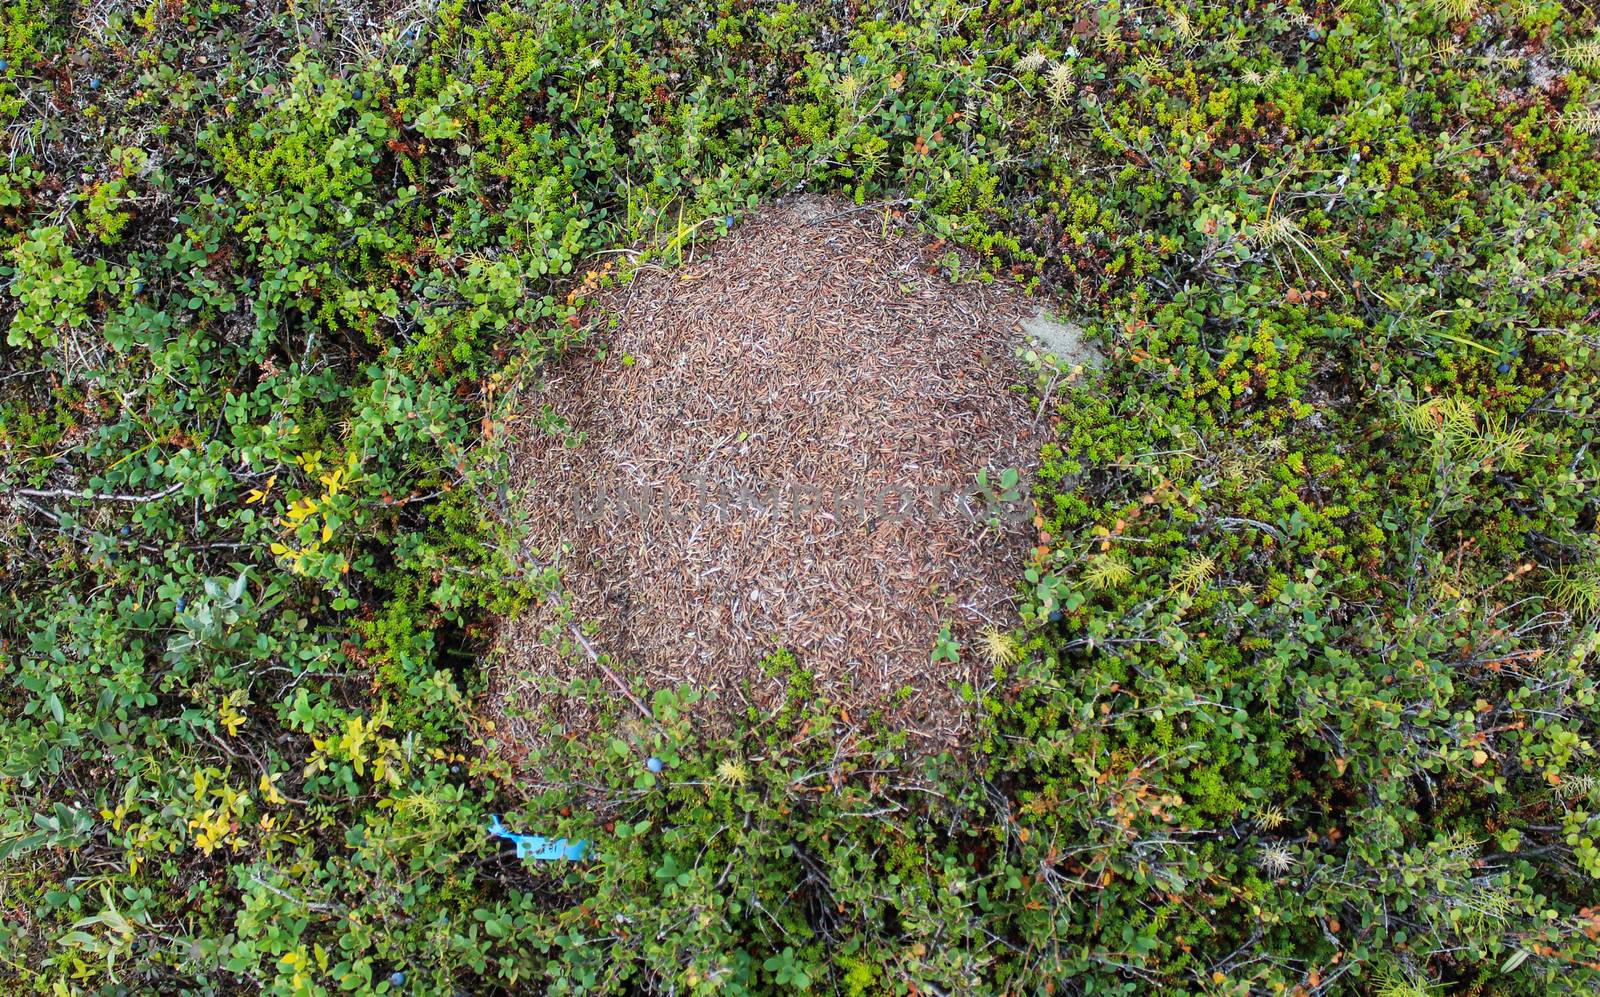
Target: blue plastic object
(537,846)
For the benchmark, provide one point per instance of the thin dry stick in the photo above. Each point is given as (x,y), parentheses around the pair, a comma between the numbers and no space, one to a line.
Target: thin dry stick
(47,493)
(615,679)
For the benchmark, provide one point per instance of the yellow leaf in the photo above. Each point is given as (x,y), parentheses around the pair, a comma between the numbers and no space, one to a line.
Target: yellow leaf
(257,494)
(299,509)
(269,789)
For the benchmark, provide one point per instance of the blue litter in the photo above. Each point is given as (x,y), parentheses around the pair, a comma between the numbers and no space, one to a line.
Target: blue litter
(537,846)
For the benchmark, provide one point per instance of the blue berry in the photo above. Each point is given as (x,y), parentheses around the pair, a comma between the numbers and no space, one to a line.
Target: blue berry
(94,84)
(4,65)
(397,979)
(654,764)
(125,531)
(1504,368)
(181,603)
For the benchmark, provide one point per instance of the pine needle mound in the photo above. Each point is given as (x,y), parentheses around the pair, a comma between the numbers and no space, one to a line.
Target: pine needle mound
(775,446)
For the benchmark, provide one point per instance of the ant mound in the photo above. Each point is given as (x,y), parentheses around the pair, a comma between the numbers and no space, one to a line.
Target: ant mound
(775,447)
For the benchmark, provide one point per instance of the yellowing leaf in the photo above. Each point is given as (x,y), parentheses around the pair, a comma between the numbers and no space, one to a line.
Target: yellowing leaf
(258,494)
(269,789)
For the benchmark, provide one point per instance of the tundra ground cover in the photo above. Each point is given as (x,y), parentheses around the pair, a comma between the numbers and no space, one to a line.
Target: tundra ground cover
(1303,699)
